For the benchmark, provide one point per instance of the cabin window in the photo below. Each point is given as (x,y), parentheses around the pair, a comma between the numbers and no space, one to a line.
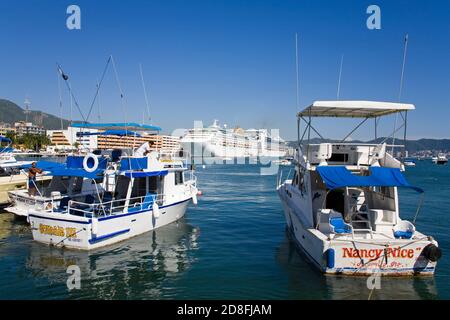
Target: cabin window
(76,184)
(295,179)
(139,190)
(58,183)
(339,157)
(179,177)
(122,187)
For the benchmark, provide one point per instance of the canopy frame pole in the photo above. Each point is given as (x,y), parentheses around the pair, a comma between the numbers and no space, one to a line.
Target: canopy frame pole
(309,133)
(404,133)
(376,127)
(309,125)
(354,129)
(394,132)
(303,135)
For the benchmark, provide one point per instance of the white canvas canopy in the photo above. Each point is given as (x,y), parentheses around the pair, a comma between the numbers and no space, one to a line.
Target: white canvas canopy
(354,109)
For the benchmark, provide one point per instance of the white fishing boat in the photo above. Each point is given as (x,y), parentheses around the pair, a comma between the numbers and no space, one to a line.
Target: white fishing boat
(440,159)
(142,193)
(11,175)
(409,163)
(218,141)
(342,204)
(283,162)
(67,182)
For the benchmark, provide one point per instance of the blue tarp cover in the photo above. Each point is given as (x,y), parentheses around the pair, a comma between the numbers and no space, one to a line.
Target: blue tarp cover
(141,174)
(339,177)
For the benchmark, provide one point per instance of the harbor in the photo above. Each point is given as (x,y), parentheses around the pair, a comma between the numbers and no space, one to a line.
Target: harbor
(247,255)
(234,157)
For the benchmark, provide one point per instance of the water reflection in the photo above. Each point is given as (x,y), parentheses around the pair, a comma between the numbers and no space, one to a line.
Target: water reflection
(11,225)
(306,282)
(139,268)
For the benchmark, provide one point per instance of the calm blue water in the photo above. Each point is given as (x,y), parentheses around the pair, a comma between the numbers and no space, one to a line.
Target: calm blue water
(233,245)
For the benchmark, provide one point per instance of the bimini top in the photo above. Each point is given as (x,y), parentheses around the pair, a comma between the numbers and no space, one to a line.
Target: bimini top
(111,132)
(142,174)
(353,109)
(123,126)
(4,139)
(340,177)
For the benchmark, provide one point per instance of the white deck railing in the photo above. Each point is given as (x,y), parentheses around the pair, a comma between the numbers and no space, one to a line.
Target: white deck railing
(110,207)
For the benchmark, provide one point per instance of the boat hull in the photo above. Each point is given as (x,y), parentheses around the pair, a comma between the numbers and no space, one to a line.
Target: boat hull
(65,230)
(395,257)
(16,182)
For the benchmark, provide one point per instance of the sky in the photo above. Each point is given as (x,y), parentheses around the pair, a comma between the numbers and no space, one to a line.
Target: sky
(231,60)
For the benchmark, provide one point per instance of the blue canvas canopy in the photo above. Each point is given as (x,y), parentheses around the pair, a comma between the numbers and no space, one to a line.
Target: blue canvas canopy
(4,139)
(112,132)
(142,174)
(339,177)
(74,172)
(44,165)
(133,163)
(123,125)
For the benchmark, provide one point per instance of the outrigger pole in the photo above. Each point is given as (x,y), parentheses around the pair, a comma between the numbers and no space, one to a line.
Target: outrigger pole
(297,89)
(405,50)
(145,93)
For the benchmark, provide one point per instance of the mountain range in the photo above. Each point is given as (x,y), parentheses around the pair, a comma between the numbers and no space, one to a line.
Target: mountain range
(11,112)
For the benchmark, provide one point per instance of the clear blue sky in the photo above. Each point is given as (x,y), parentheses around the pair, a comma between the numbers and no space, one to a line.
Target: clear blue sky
(230,60)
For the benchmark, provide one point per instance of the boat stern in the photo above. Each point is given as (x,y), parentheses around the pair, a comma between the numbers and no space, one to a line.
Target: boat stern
(398,258)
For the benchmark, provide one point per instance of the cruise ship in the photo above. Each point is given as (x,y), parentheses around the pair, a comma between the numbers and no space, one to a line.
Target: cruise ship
(218,141)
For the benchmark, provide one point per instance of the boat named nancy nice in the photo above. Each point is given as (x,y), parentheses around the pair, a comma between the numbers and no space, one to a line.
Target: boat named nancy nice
(342,204)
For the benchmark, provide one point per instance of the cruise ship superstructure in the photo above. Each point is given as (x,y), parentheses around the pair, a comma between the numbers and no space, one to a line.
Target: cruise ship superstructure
(218,141)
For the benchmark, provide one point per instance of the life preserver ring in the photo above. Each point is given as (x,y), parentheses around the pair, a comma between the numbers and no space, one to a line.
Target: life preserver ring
(85,162)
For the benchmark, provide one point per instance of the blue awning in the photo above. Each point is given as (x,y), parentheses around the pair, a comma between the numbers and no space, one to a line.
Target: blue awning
(112,132)
(76,162)
(44,165)
(142,174)
(339,177)
(62,172)
(4,139)
(131,163)
(126,126)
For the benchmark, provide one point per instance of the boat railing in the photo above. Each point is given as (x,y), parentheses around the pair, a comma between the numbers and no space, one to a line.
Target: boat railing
(113,207)
(27,201)
(362,144)
(191,178)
